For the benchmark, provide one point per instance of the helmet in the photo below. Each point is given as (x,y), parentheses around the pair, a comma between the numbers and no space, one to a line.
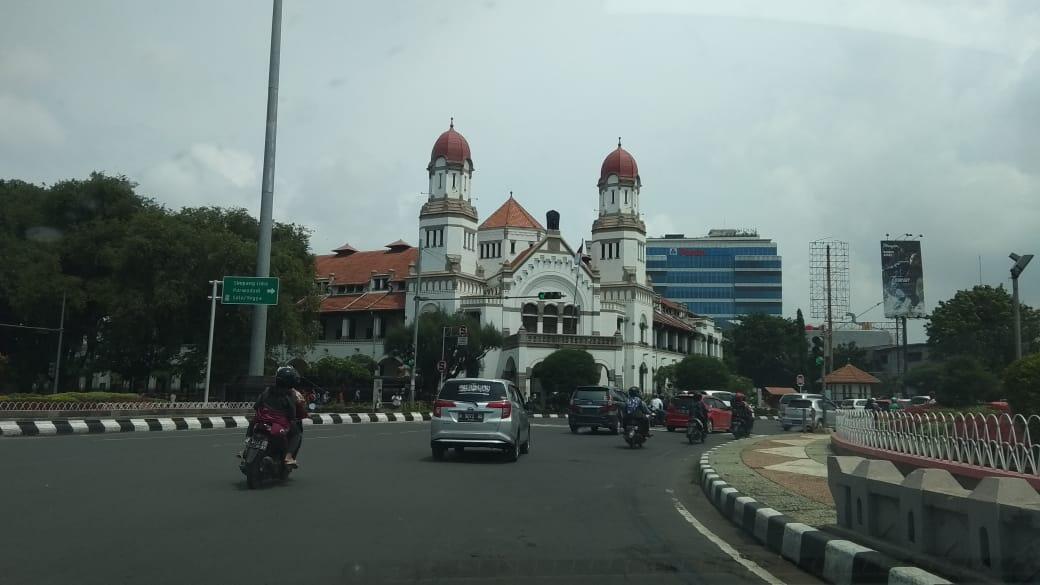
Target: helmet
(697,396)
(286,377)
(633,391)
(739,397)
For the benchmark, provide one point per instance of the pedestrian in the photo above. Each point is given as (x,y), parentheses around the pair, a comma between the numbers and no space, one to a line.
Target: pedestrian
(357,395)
(396,400)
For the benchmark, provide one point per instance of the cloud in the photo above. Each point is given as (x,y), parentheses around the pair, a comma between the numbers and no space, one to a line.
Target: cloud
(205,174)
(23,66)
(27,123)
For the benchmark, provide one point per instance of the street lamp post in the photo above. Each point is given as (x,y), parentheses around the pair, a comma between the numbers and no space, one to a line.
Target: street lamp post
(415,323)
(1016,271)
(61,335)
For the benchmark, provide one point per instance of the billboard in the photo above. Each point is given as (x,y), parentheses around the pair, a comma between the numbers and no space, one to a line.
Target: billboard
(902,279)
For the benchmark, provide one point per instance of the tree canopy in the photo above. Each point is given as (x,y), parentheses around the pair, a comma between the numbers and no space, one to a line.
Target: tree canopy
(768,349)
(978,322)
(565,369)
(136,278)
(700,372)
(461,359)
(1021,384)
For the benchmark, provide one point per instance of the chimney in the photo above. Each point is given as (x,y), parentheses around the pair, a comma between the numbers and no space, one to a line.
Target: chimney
(552,220)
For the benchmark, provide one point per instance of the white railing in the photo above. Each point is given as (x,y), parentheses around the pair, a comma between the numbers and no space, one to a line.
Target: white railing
(42,405)
(998,441)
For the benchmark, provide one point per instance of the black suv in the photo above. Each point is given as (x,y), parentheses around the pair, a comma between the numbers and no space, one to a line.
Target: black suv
(595,407)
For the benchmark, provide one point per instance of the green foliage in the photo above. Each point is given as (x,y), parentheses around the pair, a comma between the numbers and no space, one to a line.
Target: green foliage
(461,359)
(77,397)
(136,276)
(850,353)
(665,375)
(1022,384)
(957,382)
(565,369)
(740,384)
(699,372)
(768,349)
(338,374)
(978,322)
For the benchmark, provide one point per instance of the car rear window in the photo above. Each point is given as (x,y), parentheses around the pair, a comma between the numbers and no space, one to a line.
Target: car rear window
(800,403)
(590,395)
(681,403)
(473,390)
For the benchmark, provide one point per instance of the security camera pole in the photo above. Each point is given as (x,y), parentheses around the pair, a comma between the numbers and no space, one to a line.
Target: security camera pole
(1016,270)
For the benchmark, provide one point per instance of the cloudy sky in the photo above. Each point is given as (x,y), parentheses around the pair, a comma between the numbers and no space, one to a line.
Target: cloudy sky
(804,119)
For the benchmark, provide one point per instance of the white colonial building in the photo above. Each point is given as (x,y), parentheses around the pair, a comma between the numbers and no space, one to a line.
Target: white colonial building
(494,271)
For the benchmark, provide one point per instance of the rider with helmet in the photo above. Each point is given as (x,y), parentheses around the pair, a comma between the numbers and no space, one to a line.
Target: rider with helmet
(282,407)
(698,411)
(741,410)
(637,411)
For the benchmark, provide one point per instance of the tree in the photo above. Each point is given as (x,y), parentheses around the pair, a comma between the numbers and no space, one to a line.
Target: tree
(460,358)
(342,373)
(978,322)
(765,348)
(959,381)
(850,353)
(565,369)
(1021,384)
(665,375)
(699,372)
(925,378)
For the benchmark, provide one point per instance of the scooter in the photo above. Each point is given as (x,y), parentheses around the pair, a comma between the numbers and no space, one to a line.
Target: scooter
(741,429)
(634,435)
(695,431)
(263,457)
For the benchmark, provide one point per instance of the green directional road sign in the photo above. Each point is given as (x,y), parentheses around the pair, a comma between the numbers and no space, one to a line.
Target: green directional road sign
(249,290)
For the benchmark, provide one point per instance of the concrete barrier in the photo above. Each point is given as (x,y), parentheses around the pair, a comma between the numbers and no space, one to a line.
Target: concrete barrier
(992,529)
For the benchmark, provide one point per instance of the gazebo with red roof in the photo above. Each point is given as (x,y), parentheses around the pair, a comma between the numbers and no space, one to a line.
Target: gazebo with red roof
(849,381)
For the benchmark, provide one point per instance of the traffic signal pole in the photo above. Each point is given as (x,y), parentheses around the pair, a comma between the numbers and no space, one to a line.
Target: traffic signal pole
(828,357)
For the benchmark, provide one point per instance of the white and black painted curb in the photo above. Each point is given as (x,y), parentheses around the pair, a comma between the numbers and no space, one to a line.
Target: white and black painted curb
(815,551)
(10,428)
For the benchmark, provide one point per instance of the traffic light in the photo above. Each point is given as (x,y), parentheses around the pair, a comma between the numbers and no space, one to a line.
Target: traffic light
(817,350)
(549,296)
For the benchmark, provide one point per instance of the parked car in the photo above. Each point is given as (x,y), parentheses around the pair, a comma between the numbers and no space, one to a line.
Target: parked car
(480,412)
(788,398)
(677,415)
(853,404)
(809,413)
(596,407)
(724,395)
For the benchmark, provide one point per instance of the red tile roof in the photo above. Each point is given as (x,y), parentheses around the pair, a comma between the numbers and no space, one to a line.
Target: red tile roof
(522,256)
(619,162)
(850,374)
(357,267)
(452,146)
(371,301)
(778,391)
(670,321)
(511,214)
(398,244)
(345,249)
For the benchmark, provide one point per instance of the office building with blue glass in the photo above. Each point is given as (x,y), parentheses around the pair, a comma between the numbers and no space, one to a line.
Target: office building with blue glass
(724,275)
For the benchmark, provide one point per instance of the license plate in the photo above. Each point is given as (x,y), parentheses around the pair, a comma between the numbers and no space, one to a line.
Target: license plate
(471,417)
(257,443)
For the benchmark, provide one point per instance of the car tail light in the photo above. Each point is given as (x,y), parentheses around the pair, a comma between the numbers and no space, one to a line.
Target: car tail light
(437,406)
(504,405)
(607,408)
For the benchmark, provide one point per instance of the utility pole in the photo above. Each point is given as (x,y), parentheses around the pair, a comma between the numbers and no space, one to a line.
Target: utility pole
(1016,271)
(258,340)
(829,354)
(209,352)
(905,364)
(61,335)
(415,323)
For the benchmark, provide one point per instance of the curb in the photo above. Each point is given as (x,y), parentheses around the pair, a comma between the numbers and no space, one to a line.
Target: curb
(88,426)
(815,551)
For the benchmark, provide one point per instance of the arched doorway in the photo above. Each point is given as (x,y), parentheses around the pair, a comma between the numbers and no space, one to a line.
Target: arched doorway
(509,371)
(642,377)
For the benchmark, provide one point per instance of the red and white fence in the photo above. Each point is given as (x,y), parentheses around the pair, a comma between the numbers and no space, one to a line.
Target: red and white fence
(998,441)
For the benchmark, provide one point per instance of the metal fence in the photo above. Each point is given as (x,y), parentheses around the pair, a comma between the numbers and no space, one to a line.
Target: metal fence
(42,405)
(998,441)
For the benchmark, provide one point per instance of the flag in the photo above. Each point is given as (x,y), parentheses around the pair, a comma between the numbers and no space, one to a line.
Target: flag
(578,254)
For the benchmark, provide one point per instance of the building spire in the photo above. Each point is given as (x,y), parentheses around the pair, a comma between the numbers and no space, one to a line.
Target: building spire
(451,124)
(619,142)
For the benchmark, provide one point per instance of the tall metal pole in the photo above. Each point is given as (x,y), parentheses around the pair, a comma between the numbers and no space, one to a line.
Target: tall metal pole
(61,335)
(209,351)
(415,323)
(829,353)
(258,340)
(904,356)
(1017,317)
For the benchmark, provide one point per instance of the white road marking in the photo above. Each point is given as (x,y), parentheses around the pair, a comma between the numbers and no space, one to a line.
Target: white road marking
(723,545)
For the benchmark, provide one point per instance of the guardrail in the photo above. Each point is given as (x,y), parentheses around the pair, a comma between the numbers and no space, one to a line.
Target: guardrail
(42,405)
(998,441)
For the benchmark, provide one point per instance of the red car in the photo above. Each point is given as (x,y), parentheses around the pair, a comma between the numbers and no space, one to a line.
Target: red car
(677,415)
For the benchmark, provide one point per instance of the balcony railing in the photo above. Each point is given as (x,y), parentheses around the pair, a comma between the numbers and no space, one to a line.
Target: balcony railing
(523,338)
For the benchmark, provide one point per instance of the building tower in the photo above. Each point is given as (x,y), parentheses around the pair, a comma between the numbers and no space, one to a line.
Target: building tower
(448,220)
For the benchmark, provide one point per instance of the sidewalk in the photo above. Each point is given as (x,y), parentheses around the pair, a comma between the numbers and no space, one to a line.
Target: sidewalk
(785,472)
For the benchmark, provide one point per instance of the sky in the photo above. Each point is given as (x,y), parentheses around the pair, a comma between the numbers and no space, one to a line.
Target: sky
(803,119)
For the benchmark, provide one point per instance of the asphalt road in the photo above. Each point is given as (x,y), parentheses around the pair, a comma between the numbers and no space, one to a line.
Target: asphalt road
(369,505)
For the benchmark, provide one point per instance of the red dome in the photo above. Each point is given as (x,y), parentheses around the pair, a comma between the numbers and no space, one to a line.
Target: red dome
(620,163)
(452,146)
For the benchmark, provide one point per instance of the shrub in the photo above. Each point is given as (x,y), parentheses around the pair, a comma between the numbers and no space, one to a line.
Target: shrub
(1022,385)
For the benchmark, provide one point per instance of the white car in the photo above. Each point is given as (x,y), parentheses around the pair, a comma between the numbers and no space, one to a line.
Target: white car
(724,395)
(853,404)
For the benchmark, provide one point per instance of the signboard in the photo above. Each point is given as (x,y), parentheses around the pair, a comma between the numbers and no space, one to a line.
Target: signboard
(463,331)
(442,366)
(462,341)
(902,279)
(800,379)
(250,290)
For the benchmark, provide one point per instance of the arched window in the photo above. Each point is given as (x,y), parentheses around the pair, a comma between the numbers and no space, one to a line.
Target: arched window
(570,320)
(529,317)
(550,315)
(642,329)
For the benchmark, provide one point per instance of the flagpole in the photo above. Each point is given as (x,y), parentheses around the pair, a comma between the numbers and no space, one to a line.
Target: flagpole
(577,273)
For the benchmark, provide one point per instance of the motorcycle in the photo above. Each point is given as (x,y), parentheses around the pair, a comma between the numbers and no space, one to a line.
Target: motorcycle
(741,429)
(657,417)
(695,431)
(634,435)
(263,457)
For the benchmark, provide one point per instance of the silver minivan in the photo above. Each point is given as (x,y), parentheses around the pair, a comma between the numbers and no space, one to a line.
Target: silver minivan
(481,413)
(782,405)
(809,413)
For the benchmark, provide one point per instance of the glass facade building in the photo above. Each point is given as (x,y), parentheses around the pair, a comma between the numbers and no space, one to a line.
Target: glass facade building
(724,275)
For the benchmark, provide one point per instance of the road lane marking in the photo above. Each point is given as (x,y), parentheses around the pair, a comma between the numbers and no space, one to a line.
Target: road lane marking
(748,564)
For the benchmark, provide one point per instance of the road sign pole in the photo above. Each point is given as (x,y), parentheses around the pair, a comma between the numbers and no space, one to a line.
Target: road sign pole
(61,334)
(258,340)
(209,350)
(444,336)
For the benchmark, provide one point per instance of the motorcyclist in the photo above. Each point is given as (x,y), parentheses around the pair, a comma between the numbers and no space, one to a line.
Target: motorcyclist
(637,411)
(742,412)
(282,408)
(698,411)
(657,406)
